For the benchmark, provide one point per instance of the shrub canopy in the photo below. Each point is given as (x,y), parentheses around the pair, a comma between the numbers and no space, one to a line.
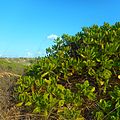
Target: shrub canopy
(78,78)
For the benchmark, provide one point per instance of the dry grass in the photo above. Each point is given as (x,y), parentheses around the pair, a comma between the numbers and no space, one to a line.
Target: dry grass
(8,110)
(7,105)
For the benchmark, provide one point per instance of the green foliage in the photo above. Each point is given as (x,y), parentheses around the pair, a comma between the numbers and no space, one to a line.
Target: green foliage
(110,109)
(78,73)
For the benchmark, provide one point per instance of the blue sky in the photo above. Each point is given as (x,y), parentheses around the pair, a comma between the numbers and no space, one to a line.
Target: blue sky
(27,27)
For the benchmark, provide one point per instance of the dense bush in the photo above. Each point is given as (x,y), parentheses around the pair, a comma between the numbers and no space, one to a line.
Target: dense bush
(78,79)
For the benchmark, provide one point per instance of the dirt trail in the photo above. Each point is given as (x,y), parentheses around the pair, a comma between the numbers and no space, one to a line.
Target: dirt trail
(8,74)
(7,81)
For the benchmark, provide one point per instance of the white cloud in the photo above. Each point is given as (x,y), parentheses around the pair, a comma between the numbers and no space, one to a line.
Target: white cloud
(52,37)
(29,54)
(40,53)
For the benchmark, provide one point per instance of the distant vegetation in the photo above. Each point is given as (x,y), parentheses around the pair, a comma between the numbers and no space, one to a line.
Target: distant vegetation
(14,65)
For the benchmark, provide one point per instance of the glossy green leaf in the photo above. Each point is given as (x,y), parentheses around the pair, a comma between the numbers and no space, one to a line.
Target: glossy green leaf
(37,110)
(19,104)
(28,104)
(61,103)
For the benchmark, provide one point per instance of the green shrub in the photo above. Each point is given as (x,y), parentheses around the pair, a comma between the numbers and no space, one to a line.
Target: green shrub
(77,79)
